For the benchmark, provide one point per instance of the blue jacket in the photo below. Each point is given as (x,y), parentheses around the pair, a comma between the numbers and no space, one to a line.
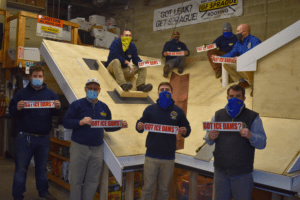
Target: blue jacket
(116,52)
(33,120)
(242,47)
(85,134)
(173,47)
(225,44)
(161,145)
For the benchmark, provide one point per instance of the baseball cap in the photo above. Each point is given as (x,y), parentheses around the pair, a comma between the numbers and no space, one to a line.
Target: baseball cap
(92,80)
(176,34)
(226,27)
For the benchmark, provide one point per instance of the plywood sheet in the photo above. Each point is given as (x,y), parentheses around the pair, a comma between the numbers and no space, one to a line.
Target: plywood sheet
(206,96)
(277,83)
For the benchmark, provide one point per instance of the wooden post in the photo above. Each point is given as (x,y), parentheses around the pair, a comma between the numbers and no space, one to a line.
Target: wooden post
(193,185)
(129,195)
(104,182)
(5,38)
(19,57)
(74,36)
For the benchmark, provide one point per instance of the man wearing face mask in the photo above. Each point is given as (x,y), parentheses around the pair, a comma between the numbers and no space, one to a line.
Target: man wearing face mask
(86,151)
(246,41)
(225,44)
(118,63)
(174,61)
(234,151)
(33,127)
(161,147)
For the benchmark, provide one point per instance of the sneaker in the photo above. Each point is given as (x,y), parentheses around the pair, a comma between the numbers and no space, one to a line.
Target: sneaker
(230,80)
(145,88)
(48,197)
(219,74)
(180,70)
(166,71)
(126,86)
(244,84)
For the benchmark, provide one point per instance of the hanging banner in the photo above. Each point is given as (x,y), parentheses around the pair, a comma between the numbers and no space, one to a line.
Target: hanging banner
(194,12)
(49,27)
(223,126)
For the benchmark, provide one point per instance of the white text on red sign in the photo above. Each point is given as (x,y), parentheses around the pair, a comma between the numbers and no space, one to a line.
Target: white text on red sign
(222,126)
(161,128)
(217,59)
(149,63)
(206,48)
(39,104)
(106,123)
(177,53)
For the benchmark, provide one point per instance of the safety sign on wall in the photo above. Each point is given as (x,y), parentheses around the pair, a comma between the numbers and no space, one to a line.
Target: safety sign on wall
(49,27)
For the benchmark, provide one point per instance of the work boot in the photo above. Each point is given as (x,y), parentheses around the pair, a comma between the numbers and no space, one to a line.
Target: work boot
(48,196)
(244,84)
(218,74)
(180,70)
(145,88)
(166,71)
(230,80)
(127,86)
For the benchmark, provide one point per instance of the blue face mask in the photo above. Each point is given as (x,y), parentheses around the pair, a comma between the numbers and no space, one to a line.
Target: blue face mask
(165,99)
(227,34)
(174,40)
(92,95)
(37,82)
(234,106)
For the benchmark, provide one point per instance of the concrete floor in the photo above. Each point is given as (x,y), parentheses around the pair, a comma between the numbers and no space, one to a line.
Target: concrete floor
(7,168)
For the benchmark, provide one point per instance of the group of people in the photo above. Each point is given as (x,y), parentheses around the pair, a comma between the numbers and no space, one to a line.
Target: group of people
(234,151)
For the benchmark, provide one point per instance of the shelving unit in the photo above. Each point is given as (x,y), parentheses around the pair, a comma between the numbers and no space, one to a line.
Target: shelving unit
(56,141)
(23,6)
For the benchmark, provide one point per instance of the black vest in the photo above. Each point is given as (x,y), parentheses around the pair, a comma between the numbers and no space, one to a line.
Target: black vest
(234,154)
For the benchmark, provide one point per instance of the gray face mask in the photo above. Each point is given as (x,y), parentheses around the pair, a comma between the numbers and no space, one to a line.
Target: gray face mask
(239,36)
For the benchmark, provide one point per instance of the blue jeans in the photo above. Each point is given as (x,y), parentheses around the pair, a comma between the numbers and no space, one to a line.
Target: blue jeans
(176,62)
(238,187)
(39,148)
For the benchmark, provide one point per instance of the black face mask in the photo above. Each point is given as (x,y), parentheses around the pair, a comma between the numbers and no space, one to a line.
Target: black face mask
(239,36)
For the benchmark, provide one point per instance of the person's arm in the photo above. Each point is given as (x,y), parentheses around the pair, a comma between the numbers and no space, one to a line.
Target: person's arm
(165,49)
(144,119)
(258,138)
(255,42)
(233,52)
(183,122)
(70,120)
(206,138)
(217,42)
(55,111)
(114,50)
(135,57)
(108,117)
(186,49)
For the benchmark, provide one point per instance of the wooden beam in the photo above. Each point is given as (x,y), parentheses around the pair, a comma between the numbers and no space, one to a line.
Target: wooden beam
(193,185)
(19,57)
(28,14)
(74,35)
(13,17)
(5,39)
(2,12)
(67,23)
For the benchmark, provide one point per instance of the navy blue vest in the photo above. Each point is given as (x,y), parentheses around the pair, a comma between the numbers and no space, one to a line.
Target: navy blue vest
(234,154)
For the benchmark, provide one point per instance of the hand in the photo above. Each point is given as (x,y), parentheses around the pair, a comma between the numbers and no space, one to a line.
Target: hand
(140,126)
(165,53)
(212,56)
(20,105)
(246,133)
(57,104)
(212,135)
(186,53)
(235,58)
(182,131)
(124,124)
(126,62)
(131,68)
(86,120)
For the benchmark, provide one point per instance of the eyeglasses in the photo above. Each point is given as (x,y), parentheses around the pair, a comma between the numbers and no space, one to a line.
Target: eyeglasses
(94,89)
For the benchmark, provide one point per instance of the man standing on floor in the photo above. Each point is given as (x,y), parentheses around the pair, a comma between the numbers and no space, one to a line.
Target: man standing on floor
(225,44)
(245,42)
(174,61)
(234,151)
(86,151)
(161,147)
(118,63)
(33,139)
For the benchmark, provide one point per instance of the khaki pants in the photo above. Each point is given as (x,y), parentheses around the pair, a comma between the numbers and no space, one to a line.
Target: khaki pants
(157,170)
(236,76)
(115,69)
(216,66)
(85,167)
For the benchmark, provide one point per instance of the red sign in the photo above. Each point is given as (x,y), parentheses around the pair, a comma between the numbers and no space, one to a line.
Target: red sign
(158,128)
(217,59)
(206,48)
(222,126)
(50,21)
(177,53)
(39,104)
(149,63)
(106,123)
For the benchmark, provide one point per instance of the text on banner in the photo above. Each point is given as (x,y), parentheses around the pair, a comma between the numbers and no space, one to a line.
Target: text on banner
(206,48)
(158,128)
(106,123)
(39,104)
(222,126)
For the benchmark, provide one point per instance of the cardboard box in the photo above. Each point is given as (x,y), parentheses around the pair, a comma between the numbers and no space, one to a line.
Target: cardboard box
(98,26)
(114,195)
(137,193)
(97,19)
(115,30)
(40,3)
(22,1)
(31,2)
(112,181)
(138,176)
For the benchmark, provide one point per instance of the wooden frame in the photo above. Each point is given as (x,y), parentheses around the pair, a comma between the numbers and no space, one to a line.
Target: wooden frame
(21,17)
